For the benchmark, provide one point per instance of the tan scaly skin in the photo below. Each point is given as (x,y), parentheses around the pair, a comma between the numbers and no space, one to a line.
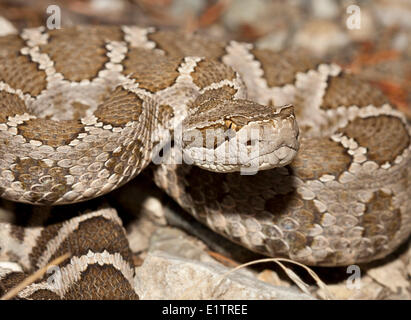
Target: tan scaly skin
(84,110)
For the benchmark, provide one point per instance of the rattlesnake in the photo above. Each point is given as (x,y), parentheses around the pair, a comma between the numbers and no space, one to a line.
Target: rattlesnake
(85,109)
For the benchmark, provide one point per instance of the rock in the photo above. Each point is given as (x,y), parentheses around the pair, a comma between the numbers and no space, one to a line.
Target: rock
(183,8)
(140,231)
(274,41)
(177,243)
(368,290)
(8,266)
(387,279)
(270,276)
(326,9)
(6,27)
(392,275)
(177,266)
(107,6)
(366,32)
(321,37)
(393,12)
(244,12)
(165,276)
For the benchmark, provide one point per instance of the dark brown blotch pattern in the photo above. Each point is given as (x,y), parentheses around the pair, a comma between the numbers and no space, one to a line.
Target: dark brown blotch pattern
(11,280)
(45,236)
(51,132)
(101,283)
(79,109)
(17,70)
(381,217)
(181,44)
(280,68)
(43,294)
(385,137)
(17,232)
(255,196)
(208,72)
(121,107)
(347,90)
(79,52)
(31,173)
(10,45)
(10,106)
(130,156)
(309,163)
(97,234)
(153,71)
(223,93)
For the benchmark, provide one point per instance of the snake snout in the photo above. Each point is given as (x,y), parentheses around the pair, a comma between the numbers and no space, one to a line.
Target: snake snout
(239,141)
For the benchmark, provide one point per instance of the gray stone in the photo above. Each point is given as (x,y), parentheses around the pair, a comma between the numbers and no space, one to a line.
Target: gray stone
(177,243)
(244,12)
(6,27)
(165,276)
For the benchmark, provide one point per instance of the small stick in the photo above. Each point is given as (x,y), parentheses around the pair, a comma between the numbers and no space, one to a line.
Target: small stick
(35,276)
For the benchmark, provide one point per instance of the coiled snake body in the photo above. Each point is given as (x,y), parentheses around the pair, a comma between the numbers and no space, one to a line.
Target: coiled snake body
(83,110)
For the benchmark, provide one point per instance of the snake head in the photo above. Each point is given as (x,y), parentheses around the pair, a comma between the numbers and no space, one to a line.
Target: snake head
(239,135)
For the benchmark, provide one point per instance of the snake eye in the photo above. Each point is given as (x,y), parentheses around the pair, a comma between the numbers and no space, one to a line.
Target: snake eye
(230,125)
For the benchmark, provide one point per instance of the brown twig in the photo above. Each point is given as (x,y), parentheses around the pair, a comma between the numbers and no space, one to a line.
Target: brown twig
(222,259)
(35,276)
